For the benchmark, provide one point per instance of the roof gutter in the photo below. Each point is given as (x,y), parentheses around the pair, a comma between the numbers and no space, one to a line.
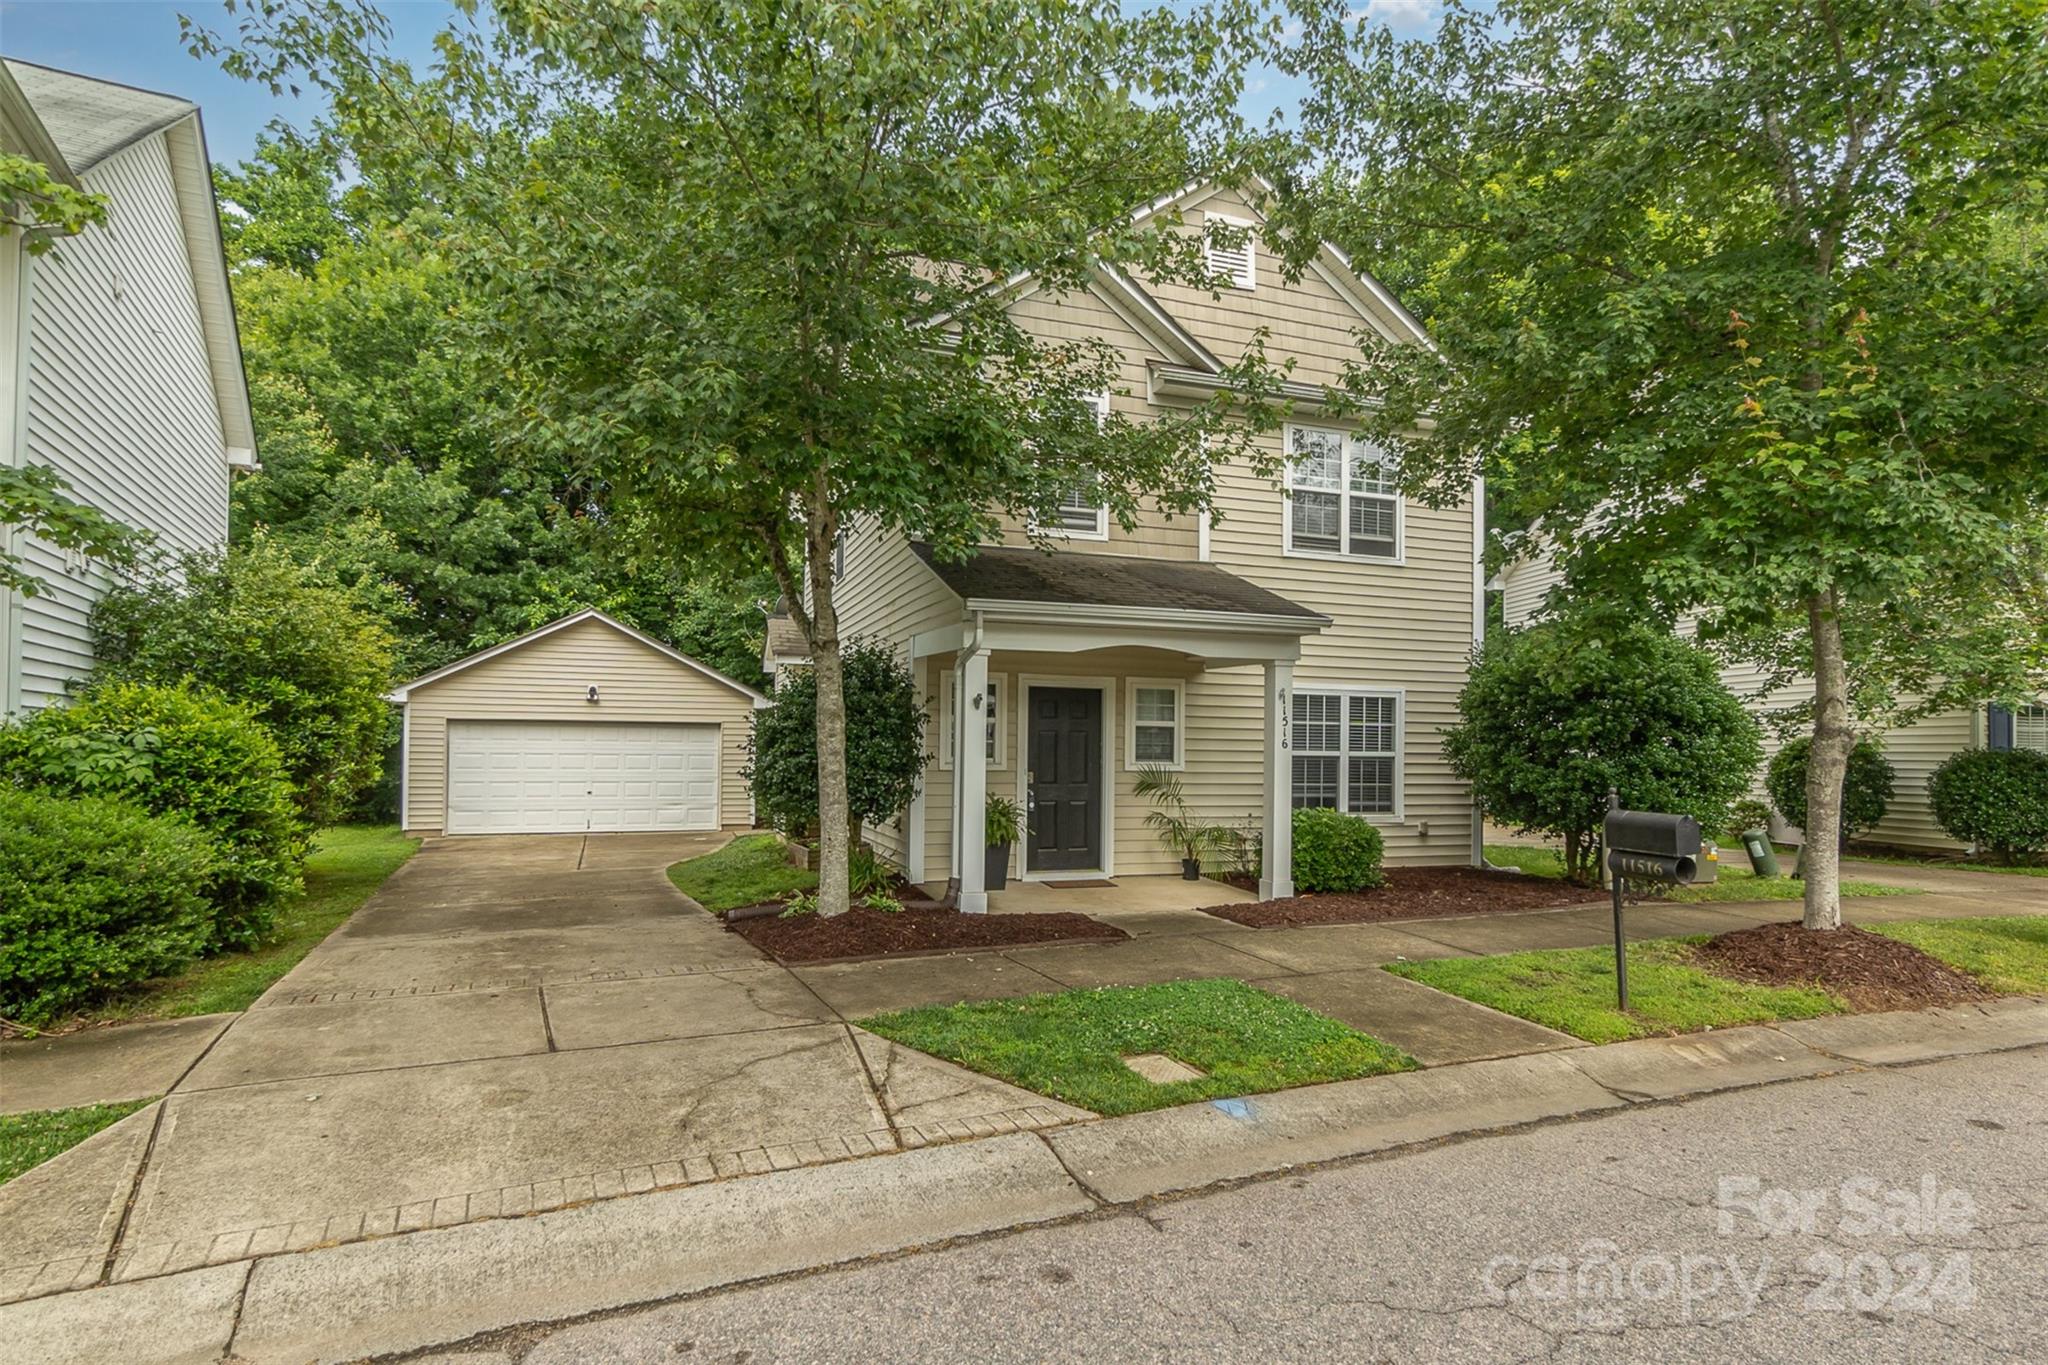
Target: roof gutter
(1183,618)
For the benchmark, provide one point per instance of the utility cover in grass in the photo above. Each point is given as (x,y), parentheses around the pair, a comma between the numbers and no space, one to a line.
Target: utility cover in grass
(1071,1046)
(1572,990)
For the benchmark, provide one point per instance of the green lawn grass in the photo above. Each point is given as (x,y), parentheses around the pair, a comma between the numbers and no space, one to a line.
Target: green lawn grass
(28,1140)
(1947,865)
(1572,990)
(746,871)
(1734,884)
(1071,1045)
(2008,953)
(348,863)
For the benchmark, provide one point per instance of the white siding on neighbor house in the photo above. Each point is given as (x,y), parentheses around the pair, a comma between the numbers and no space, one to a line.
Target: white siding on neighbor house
(547,680)
(119,399)
(1525,589)
(1405,627)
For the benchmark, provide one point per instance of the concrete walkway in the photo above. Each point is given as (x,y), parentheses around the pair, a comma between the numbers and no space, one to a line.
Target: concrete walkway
(516,1025)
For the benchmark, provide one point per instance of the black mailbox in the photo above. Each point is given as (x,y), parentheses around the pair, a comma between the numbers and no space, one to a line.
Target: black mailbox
(1649,846)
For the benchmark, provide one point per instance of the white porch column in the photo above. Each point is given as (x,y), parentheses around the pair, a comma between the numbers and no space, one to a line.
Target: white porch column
(970,778)
(1276,866)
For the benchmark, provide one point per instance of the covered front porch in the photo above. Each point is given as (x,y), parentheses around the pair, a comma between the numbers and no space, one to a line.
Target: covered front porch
(1065,677)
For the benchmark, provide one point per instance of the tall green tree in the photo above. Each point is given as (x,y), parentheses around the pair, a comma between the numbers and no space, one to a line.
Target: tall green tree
(377,469)
(1730,294)
(747,258)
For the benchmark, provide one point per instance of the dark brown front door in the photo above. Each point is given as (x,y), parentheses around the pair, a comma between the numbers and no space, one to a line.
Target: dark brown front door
(1065,755)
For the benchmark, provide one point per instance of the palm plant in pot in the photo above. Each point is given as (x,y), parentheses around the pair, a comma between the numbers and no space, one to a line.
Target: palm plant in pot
(1175,824)
(1003,821)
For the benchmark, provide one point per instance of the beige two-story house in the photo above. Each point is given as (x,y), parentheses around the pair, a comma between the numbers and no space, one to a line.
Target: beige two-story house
(1302,647)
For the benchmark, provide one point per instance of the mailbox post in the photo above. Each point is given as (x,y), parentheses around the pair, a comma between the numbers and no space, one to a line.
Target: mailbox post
(1644,846)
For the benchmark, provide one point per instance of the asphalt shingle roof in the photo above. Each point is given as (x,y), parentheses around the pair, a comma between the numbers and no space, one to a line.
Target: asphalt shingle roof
(1010,574)
(90,120)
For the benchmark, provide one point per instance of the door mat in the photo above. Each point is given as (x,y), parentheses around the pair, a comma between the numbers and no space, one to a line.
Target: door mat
(1084,884)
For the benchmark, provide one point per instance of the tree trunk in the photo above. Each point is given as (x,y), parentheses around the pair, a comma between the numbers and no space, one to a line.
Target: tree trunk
(1827,764)
(834,896)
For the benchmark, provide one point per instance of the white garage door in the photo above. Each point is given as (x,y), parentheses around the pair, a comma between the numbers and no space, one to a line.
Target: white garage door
(552,777)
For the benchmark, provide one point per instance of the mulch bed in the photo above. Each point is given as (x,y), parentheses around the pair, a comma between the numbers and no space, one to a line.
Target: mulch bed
(862,933)
(1411,893)
(1868,970)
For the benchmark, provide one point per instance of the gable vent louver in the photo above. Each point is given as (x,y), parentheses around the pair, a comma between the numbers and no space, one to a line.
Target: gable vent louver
(1235,264)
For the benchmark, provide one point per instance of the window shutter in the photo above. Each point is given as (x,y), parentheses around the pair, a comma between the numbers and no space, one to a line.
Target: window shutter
(1997,727)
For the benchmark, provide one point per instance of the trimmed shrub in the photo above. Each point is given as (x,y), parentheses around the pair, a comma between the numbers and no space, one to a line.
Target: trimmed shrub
(173,751)
(1554,715)
(1995,799)
(94,895)
(254,625)
(1866,790)
(1336,852)
(885,752)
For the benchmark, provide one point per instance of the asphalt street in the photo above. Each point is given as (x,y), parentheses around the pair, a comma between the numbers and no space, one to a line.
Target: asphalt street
(1891,1215)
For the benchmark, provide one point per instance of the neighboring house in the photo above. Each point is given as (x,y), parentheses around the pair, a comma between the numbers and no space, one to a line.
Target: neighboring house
(1915,750)
(119,362)
(782,646)
(1301,649)
(585,725)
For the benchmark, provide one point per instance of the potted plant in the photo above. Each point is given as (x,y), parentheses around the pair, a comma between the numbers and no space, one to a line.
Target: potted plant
(1175,824)
(1003,820)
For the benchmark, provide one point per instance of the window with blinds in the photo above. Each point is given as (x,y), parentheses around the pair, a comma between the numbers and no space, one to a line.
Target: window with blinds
(1346,750)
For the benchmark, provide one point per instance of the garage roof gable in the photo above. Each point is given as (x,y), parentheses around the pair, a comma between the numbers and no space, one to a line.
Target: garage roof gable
(403,694)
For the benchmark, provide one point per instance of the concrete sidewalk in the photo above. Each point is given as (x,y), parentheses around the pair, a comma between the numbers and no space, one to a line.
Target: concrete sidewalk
(443,1286)
(513,1026)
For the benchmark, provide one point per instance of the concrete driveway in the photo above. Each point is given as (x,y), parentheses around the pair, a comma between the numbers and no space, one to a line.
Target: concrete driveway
(509,1025)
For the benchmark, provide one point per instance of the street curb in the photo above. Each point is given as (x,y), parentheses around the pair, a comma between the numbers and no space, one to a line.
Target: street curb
(420,1290)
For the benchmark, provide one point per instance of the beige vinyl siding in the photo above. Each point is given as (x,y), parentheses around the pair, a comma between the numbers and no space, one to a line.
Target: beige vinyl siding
(1079,316)
(547,679)
(1310,322)
(886,593)
(119,399)
(1405,627)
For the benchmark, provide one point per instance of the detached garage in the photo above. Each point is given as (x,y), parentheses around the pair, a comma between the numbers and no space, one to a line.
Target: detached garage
(585,725)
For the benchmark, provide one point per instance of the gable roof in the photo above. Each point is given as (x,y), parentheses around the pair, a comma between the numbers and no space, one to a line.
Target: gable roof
(72,124)
(402,694)
(89,120)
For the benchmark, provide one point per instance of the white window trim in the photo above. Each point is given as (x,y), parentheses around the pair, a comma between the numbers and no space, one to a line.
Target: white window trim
(1100,402)
(1251,250)
(1287,548)
(1399,814)
(2024,738)
(1180,722)
(1000,682)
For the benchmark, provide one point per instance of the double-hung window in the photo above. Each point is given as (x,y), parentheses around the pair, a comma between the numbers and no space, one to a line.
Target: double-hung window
(1343,495)
(1156,707)
(2030,728)
(1081,514)
(1347,751)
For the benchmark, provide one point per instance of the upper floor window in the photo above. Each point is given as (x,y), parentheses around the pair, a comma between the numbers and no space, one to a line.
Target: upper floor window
(1238,265)
(1081,514)
(1343,496)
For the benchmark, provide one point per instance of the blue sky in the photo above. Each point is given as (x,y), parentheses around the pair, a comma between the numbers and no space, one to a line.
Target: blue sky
(136,43)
